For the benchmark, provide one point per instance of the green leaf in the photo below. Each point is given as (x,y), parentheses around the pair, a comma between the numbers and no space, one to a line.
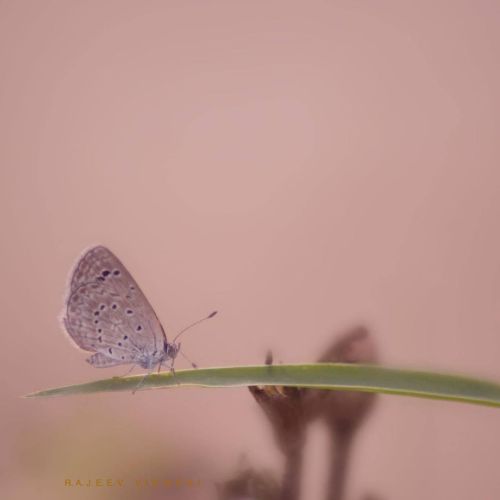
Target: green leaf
(339,376)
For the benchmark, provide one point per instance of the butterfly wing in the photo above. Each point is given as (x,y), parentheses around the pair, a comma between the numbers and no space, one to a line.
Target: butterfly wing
(106,311)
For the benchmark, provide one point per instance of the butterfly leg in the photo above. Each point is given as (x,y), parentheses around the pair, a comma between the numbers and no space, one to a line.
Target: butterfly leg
(128,371)
(141,382)
(172,371)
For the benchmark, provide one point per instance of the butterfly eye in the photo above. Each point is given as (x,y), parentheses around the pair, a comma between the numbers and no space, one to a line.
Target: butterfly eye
(116,272)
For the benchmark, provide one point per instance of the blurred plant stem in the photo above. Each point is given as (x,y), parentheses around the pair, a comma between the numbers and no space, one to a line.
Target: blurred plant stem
(284,409)
(341,444)
(292,477)
(343,411)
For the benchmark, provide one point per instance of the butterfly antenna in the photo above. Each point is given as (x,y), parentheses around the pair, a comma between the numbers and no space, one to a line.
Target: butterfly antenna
(211,315)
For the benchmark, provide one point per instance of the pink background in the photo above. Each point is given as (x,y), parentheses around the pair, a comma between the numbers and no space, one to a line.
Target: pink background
(302,167)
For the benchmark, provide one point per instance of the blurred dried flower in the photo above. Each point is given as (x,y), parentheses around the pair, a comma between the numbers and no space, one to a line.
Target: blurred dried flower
(284,409)
(290,409)
(343,411)
(249,484)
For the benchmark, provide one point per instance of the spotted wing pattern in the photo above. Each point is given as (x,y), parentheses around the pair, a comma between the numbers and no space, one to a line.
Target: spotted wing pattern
(107,313)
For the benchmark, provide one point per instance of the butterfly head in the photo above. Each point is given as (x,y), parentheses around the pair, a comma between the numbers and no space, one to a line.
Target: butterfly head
(171,350)
(157,357)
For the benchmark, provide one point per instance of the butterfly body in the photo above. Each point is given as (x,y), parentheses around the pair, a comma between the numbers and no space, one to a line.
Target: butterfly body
(107,313)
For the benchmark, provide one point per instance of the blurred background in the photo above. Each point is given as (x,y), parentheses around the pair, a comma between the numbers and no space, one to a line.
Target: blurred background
(302,167)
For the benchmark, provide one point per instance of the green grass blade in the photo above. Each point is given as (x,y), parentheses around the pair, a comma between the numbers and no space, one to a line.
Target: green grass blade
(339,376)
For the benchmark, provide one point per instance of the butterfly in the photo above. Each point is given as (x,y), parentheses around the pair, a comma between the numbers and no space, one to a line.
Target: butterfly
(106,313)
